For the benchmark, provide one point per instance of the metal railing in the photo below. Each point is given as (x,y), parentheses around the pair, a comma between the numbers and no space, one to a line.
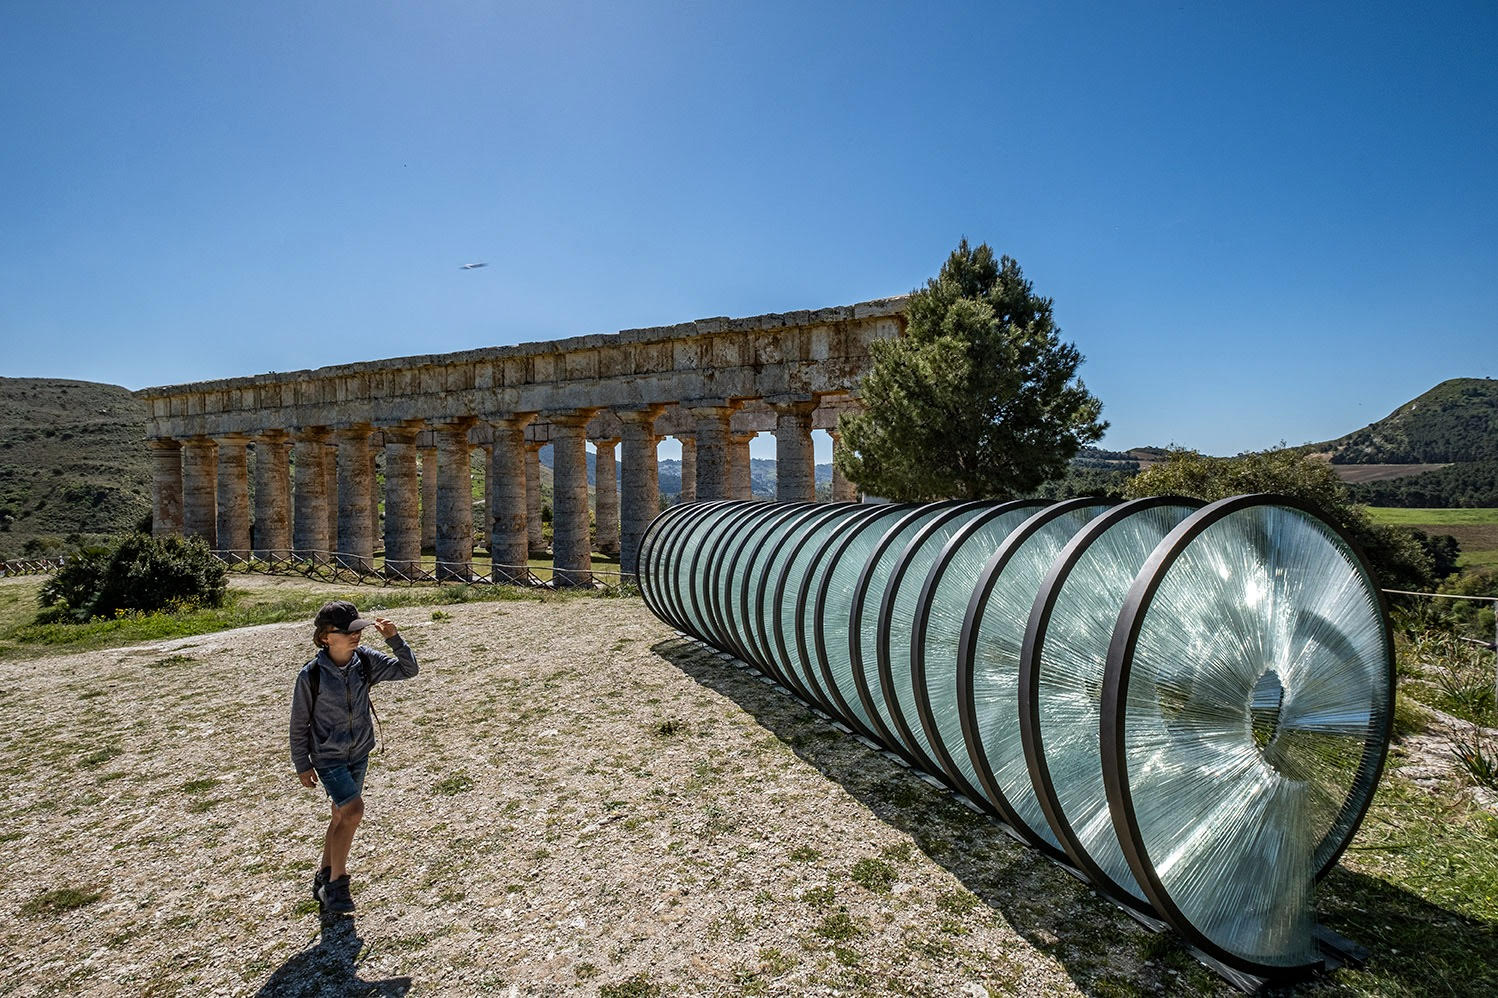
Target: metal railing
(1490,645)
(30,566)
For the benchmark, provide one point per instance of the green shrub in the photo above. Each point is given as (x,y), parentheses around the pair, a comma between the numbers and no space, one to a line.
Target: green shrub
(138,574)
(1399,558)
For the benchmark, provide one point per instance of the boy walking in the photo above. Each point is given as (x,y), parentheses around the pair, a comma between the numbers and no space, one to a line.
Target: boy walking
(332,730)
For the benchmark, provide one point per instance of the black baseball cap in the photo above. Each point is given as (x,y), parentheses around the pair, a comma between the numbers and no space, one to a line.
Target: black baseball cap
(340,615)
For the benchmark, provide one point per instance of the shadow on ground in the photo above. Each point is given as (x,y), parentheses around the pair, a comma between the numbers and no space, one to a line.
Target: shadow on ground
(330,967)
(1103,949)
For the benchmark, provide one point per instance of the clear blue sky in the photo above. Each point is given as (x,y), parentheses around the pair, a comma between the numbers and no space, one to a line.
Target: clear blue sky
(1258,221)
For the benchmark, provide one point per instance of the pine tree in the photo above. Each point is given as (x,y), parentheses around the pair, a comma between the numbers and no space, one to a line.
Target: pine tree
(979,398)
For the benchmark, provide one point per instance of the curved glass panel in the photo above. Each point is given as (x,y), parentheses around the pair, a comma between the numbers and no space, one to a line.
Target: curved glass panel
(701,534)
(649,579)
(664,560)
(1066,671)
(761,597)
(863,631)
(1254,719)
(898,612)
(793,588)
(743,573)
(718,574)
(835,595)
(794,620)
(1000,630)
(951,583)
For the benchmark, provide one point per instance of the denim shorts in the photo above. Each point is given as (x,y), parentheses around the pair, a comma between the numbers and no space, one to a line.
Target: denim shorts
(343,782)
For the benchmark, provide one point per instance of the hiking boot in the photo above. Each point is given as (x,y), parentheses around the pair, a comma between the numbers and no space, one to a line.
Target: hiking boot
(318,881)
(335,896)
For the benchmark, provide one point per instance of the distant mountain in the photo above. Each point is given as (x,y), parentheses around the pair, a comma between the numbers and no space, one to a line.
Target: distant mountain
(72,460)
(1455,421)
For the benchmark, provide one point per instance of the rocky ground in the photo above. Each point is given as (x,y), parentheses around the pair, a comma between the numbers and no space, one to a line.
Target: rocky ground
(572,800)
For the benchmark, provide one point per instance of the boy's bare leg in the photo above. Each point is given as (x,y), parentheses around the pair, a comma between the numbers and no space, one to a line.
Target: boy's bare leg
(340,837)
(327,857)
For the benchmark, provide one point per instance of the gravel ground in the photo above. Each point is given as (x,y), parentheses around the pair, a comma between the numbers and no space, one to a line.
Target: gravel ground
(572,800)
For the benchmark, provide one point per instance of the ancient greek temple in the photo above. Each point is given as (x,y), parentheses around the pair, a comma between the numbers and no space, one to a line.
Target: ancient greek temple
(310,439)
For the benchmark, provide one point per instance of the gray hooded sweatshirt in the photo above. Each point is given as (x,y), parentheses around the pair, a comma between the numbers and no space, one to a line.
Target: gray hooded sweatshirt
(338,729)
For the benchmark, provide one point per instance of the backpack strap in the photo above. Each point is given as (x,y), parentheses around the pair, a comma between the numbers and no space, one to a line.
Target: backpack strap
(314,685)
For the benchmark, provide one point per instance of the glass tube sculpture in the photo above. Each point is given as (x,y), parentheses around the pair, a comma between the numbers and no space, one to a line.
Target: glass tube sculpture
(1189,705)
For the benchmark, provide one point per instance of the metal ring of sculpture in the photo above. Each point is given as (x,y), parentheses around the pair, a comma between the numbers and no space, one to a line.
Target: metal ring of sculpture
(1190,705)
(1062,665)
(1253,646)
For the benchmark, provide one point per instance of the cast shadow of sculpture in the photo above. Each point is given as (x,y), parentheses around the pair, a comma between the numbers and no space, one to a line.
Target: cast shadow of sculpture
(330,967)
(1102,948)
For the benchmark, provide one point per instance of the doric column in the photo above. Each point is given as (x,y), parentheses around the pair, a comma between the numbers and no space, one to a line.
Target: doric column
(429,498)
(374,496)
(200,489)
(795,461)
(272,495)
(484,522)
(309,535)
(606,497)
(842,489)
(330,475)
(509,518)
(355,495)
(711,419)
(688,467)
(233,494)
(639,498)
(572,559)
(740,479)
(534,529)
(402,502)
(166,487)
(454,502)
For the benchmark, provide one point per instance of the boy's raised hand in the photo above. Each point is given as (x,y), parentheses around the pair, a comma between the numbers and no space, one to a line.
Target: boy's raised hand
(386,628)
(308,778)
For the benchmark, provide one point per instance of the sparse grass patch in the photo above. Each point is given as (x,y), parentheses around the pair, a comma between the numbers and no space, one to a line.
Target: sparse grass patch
(774,961)
(839,927)
(59,901)
(873,875)
(958,901)
(1409,717)
(900,852)
(805,854)
(453,785)
(820,897)
(99,757)
(905,796)
(169,661)
(200,786)
(1479,757)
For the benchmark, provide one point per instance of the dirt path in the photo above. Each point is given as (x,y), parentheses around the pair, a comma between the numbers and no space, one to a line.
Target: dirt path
(573,801)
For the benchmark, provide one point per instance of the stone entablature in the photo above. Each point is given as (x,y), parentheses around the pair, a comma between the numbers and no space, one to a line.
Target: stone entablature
(808,352)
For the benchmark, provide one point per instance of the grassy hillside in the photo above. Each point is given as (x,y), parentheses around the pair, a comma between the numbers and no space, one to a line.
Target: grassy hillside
(73,460)
(1456,420)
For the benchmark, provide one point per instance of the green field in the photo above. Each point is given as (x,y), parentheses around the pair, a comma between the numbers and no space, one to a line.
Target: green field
(1476,530)
(1433,517)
